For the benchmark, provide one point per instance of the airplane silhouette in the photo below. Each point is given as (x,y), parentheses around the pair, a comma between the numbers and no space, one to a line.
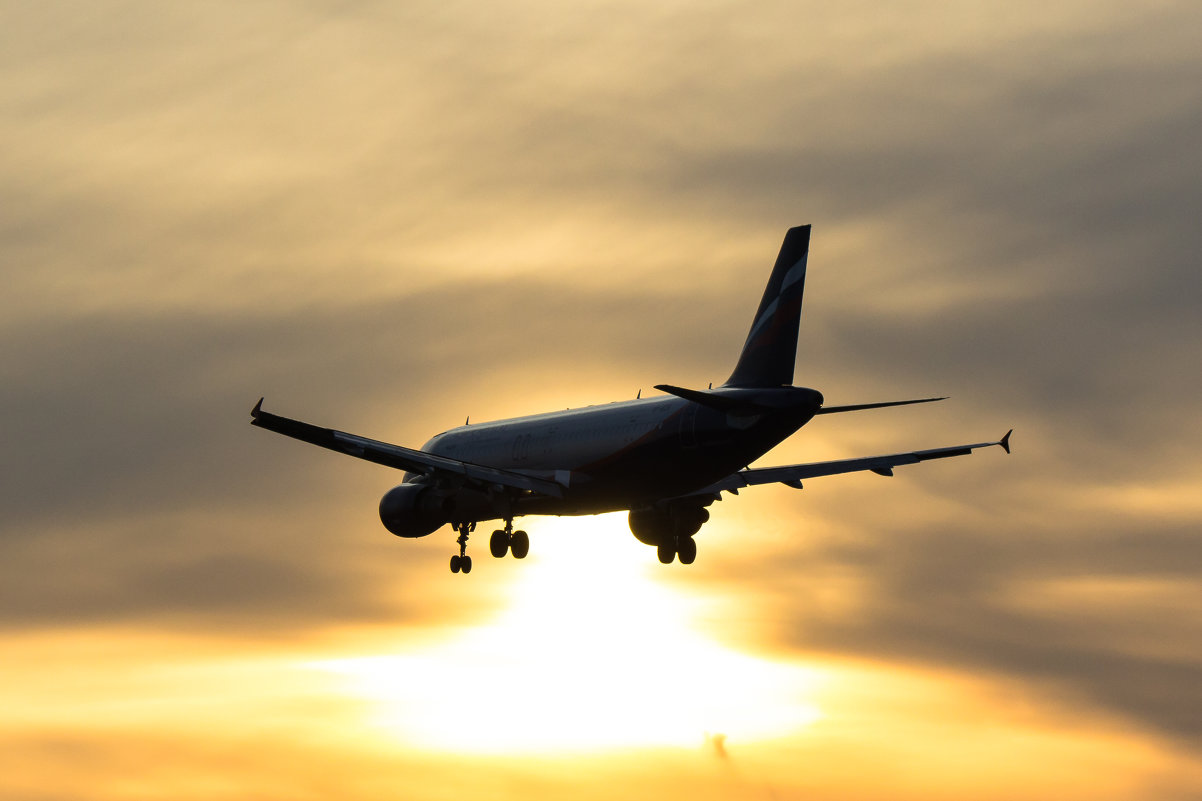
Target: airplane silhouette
(665,459)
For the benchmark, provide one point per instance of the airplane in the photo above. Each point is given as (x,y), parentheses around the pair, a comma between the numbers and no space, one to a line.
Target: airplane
(663,459)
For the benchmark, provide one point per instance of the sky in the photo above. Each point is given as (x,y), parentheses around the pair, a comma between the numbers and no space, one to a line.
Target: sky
(388,217)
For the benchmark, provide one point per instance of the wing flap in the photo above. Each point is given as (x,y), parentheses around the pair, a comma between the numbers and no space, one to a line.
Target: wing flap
(400,458)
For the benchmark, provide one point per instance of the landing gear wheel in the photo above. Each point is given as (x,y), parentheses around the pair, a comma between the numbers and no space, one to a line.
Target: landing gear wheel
(455,564)
(666,552)
(520,544)
(465,564)
(687,548)
(498,544)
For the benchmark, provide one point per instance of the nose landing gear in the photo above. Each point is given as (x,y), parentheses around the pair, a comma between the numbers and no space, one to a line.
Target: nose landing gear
(461,561)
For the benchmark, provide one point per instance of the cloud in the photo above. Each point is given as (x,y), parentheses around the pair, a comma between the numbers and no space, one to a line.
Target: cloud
(135,473)
(1084,611)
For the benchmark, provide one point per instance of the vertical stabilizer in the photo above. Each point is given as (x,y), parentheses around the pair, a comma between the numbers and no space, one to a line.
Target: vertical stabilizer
(771,348)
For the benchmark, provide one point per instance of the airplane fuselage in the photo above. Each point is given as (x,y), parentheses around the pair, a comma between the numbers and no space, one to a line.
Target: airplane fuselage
(627,454)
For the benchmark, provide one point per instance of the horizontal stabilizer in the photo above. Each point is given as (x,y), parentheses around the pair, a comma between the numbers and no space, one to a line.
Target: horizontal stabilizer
(859,406)
(749,400)
(710,399)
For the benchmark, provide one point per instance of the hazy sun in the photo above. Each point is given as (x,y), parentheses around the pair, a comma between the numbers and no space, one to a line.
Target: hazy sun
(590,651)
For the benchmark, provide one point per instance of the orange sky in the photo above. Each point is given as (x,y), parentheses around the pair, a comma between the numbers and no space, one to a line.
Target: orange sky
(386,217)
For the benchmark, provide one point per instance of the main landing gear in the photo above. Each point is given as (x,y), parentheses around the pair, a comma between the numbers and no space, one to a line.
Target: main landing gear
(461,561)
(502,542)
(683,546)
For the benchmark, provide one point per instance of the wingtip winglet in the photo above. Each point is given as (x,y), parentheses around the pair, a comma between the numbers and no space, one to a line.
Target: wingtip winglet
(258,407)
(1005,443)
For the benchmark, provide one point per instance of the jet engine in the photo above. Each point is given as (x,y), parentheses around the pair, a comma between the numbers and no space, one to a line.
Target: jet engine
(414,510)
(653,526)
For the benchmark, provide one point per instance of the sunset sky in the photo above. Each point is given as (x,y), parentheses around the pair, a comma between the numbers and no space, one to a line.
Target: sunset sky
(388,216)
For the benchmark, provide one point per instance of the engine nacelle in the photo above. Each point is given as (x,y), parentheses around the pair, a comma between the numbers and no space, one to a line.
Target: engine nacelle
(653,526)
(414,510)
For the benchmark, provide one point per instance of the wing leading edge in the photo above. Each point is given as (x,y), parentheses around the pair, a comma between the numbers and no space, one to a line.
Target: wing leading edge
(414,461)
(792,475)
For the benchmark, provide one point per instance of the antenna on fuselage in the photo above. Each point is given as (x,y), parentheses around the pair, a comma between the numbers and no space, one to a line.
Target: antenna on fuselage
(640,394)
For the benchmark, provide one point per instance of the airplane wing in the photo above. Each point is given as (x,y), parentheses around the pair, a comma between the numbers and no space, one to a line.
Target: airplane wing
(414,461)
(792,475)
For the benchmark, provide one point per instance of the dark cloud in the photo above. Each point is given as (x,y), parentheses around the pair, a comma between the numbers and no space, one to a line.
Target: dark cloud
(139,491)
(1080,370)
(157,405)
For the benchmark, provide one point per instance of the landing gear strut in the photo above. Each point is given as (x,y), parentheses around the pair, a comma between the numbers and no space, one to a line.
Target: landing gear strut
(462,561)
(503,542)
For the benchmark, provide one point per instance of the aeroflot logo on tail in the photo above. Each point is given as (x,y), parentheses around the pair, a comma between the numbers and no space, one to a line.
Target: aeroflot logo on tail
(795,275)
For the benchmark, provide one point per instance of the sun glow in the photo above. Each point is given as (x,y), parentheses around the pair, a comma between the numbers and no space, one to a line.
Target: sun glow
(592,652)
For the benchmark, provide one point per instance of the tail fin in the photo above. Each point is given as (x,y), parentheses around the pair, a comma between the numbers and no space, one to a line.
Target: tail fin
(771,348)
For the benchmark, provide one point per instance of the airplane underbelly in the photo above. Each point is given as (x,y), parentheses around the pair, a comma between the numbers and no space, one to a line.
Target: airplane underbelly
(621,462)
